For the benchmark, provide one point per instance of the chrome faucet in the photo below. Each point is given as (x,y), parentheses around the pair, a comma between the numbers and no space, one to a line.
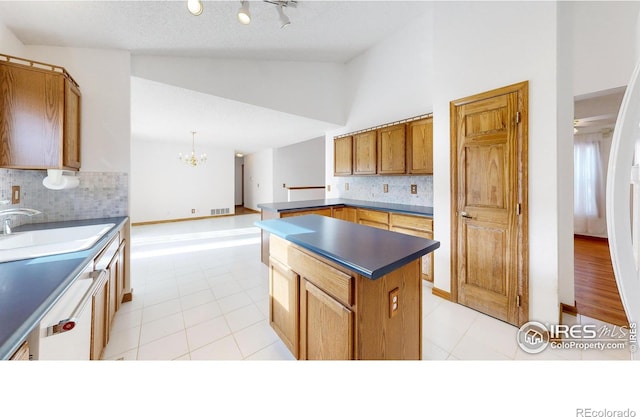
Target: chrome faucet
(6,222)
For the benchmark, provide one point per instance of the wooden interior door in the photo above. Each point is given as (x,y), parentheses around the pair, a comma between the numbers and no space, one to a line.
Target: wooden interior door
(489,204)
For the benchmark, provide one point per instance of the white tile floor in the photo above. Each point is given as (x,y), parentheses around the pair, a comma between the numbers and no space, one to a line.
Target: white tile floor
(201,293)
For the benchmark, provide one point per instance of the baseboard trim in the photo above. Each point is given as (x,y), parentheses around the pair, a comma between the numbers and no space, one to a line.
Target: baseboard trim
(568,309)
(441,293)
(179,220)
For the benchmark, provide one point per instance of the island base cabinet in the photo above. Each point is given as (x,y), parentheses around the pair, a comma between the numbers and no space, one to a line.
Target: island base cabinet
(321,310)
(327,326)
(283,304)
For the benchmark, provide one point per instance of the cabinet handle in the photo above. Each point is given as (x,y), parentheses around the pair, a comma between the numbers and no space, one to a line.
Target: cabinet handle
(466,215)
(70,323)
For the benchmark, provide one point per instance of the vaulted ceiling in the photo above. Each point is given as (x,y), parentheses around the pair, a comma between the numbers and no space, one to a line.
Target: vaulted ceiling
(320,31)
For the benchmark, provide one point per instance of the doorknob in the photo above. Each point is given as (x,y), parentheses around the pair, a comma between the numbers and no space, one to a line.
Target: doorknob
(465,215)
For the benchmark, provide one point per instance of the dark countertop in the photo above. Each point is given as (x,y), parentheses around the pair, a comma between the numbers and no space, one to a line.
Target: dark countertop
(365,250)
(30,287)
(332,202)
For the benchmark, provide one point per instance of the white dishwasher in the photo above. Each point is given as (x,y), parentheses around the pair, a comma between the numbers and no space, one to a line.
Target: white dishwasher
(65,331)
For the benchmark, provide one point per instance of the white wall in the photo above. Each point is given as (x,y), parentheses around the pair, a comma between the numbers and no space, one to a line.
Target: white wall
(104,78)
(604,35)
(479,46)
(164,188)
(298,165)
(9,44)
(566,71)
(258,179)
(390,82)
(309,89)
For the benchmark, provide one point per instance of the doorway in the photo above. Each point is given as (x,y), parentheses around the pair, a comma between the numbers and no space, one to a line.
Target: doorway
(595,289)
(489,135)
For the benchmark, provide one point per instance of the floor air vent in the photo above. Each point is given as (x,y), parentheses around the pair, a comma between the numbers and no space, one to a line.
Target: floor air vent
(220,211)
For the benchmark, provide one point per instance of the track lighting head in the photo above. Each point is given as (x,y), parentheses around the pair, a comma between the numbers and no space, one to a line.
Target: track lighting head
(243,13)
(195,7)
(284,20)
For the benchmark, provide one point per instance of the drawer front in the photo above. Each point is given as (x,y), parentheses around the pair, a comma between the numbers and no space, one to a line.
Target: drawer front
(373,216)
(382,226)
(278,249)
(412,232)
(325,277)
(411,222)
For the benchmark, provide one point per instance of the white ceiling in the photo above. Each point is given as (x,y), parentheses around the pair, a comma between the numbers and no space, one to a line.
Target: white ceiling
(324,31)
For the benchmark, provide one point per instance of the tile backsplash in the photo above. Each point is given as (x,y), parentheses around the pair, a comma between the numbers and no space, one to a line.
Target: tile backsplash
(371,188)
(100,194)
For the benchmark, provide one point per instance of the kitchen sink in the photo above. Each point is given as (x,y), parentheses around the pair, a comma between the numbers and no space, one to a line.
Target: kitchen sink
(45,242)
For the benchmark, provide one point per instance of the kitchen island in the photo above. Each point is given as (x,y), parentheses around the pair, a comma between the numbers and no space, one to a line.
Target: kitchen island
(340,290)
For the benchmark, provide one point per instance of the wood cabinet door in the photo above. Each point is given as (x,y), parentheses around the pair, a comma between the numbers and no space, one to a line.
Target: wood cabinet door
(343,156)
(71,131)
(31,117)
(321,212)
(113,288)
(345,213)
(364,153)
(420,147)
(99,306)
(392,150)
(284,304)
(326,326)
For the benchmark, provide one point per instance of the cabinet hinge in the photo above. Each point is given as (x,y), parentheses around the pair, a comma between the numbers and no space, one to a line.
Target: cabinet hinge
(518,117)
(519,209)
(518,301)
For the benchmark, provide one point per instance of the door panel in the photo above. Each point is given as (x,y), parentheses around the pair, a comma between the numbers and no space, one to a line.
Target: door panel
(489,272)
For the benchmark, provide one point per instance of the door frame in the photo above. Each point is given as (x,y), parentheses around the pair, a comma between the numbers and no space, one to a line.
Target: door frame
(522,125)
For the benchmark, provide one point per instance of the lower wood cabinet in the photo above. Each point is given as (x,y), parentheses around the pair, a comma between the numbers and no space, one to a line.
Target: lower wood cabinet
(323,311)
(107,298)
(345,213)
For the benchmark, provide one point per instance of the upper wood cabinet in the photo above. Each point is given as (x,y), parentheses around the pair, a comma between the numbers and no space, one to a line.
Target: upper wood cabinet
(420,147)
(343,156)
(399,148)
(392,150)
(364,153)
(39,116)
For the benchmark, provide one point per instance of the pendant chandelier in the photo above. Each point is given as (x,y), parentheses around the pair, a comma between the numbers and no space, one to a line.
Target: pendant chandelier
(192,159)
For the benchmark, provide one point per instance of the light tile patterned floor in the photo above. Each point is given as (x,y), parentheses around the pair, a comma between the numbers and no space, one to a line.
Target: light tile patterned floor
(201,293)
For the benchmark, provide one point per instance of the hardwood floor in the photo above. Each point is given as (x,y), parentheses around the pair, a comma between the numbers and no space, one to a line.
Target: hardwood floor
(596,291)
(243,210)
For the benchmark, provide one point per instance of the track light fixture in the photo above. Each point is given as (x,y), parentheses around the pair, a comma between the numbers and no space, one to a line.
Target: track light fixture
(195,7)
(243,13)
